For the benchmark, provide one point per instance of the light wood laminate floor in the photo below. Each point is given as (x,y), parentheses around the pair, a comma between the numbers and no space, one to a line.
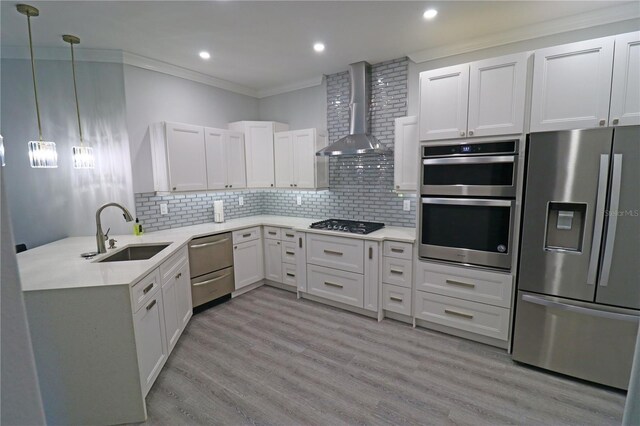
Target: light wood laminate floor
(267,358)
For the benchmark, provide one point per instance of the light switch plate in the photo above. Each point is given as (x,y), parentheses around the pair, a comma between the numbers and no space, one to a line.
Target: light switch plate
(406,205)
(241,201)
(299,200)
(164,208)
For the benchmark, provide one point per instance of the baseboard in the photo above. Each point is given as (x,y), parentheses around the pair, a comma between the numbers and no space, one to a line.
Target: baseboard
(281,286)
(398,317)
(248,288)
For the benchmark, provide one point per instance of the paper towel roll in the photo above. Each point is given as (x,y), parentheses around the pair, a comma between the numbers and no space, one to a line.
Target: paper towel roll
(218,211)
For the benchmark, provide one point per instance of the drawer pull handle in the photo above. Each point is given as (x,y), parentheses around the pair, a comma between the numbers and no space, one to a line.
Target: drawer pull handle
(179,275)
(397,250)
(460,283)
(272,233)
(395,271)
(290,253)
(335,253)
(460,314)
(147,288)
(300,242)
(370,253)
(395,299)
(151,305)
(209,244)
(330,284)
(289,274)
(290,235)
(246,235)
(212,280)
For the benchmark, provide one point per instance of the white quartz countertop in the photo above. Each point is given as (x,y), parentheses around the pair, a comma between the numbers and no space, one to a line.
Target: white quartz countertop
(58,265)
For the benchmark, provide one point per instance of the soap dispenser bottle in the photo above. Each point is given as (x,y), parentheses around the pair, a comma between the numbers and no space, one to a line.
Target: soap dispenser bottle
(137,227)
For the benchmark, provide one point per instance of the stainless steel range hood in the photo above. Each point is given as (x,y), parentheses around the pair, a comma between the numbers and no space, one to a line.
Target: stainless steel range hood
(359,141)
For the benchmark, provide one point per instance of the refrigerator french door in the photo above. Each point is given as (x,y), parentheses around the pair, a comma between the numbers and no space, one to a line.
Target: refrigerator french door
(579,277)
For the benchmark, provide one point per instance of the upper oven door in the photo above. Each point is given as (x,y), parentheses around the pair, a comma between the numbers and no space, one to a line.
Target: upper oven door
(481,176)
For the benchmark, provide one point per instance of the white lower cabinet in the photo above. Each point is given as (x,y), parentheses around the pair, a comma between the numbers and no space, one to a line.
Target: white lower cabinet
(396,299)
(273,260)
(248,259)
(333,284)
(397,277)
(176,297)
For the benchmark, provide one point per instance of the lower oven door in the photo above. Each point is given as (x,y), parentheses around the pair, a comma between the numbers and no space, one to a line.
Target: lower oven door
(211,286)
(472,231)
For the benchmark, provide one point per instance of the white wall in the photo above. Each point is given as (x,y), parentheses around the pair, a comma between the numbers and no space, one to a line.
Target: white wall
(49,204)
(301,109)
(153,97)
(523,46)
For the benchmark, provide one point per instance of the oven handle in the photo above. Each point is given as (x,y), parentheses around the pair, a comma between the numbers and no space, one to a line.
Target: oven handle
(472,160)
(467,202)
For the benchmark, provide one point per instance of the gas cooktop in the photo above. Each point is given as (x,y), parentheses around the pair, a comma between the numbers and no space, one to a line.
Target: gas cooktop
(352,226)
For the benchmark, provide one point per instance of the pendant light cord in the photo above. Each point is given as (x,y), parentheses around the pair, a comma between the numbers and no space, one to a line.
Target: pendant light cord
(33,74)
(75,90)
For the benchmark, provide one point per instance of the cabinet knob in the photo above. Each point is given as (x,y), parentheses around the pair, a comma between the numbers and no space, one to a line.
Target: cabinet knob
(602,122)
(230,186)
(616,121)
(397,186)
(461,133)
(290,184)
(174,188)
(278,242)
(235,247)
(271,184)
(470,132)
(295,184)
(226,186)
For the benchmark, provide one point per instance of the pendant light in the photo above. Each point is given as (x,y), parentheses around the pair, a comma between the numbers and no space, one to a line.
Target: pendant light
(82,155)
(42,154)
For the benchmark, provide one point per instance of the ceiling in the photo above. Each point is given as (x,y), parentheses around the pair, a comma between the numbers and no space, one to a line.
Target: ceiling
(264,45)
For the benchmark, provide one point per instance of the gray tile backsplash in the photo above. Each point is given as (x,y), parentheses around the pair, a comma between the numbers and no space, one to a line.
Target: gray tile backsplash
(361,188)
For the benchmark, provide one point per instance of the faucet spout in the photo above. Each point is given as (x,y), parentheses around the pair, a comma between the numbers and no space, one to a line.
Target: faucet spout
(99,234)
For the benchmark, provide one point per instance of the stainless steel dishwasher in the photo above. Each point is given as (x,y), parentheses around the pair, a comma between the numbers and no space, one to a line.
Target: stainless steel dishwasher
(211,265)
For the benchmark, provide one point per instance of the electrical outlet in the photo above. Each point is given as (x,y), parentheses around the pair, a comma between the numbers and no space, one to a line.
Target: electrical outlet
(299,200)
(241,201)
(164,208)
(406,205)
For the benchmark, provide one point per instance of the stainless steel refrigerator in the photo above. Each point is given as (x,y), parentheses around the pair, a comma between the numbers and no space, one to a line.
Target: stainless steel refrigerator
(578,301)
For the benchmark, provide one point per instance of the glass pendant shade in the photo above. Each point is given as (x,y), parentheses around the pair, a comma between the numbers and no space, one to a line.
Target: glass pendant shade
(43,155)
(83,157)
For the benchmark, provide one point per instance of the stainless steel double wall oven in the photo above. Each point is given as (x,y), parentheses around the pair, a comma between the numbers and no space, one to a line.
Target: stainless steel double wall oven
(468,194)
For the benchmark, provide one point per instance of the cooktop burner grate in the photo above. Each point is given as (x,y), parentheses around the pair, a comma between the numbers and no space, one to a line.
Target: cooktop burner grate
(353,226)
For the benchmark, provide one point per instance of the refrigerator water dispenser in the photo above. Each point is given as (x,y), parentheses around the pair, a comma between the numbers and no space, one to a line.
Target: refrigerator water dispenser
(565,226)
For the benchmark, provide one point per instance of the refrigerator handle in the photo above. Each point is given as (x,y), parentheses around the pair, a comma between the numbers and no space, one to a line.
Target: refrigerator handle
(598,224)
(613,219)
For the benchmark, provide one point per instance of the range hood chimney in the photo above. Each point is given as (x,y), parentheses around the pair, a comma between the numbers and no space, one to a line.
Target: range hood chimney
(359,141)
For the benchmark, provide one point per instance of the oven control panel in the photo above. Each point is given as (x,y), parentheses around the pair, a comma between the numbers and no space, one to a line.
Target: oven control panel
(508,147)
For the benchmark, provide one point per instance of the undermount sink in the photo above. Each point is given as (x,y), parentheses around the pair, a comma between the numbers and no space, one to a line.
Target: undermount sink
(136,252)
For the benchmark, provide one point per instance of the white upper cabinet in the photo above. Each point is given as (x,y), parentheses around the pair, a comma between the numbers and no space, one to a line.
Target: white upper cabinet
(484,98)
(296,163)
(258,142)
(443,102)
(406,155)
(572,85)
(625,88)
(497,89)
(187,166)
(225,159)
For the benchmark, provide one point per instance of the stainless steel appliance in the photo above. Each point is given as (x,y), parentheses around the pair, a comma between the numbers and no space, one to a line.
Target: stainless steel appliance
(481,169)
(211,265)
(578,300)
(356,227)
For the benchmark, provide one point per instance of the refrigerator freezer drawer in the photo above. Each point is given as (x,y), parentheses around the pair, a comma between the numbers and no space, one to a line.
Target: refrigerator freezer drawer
(582,340)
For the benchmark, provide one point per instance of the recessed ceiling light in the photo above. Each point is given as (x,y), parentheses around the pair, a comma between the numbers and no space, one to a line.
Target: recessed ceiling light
(204,54)
(430,14)
(318,47)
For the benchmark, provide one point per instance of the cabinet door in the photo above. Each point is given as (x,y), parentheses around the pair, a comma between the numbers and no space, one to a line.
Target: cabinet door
(183,296)
(216,155)
(172,323)
(371,275)
(572,85)
(625,88)
(273,260)
(301,261)
(304,159)
(284,158)
(248,263)
(497,89)
(407,154)
(236,166)
(444,95)
(258,142)
(186,157)
(150,340)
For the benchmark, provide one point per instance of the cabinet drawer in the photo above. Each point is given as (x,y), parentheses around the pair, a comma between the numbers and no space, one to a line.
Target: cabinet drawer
(289,274)
(173,263)
(398,249)
(272,233)
(396,271)
(144,290)
(475,285)
(473,317)
(396,299)
(346,254)
(344,287)
(288,235)
(288,252)
(244,235)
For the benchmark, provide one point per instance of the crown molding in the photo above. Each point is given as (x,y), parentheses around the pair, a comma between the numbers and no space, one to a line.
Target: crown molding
(623,12)
(303,84)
